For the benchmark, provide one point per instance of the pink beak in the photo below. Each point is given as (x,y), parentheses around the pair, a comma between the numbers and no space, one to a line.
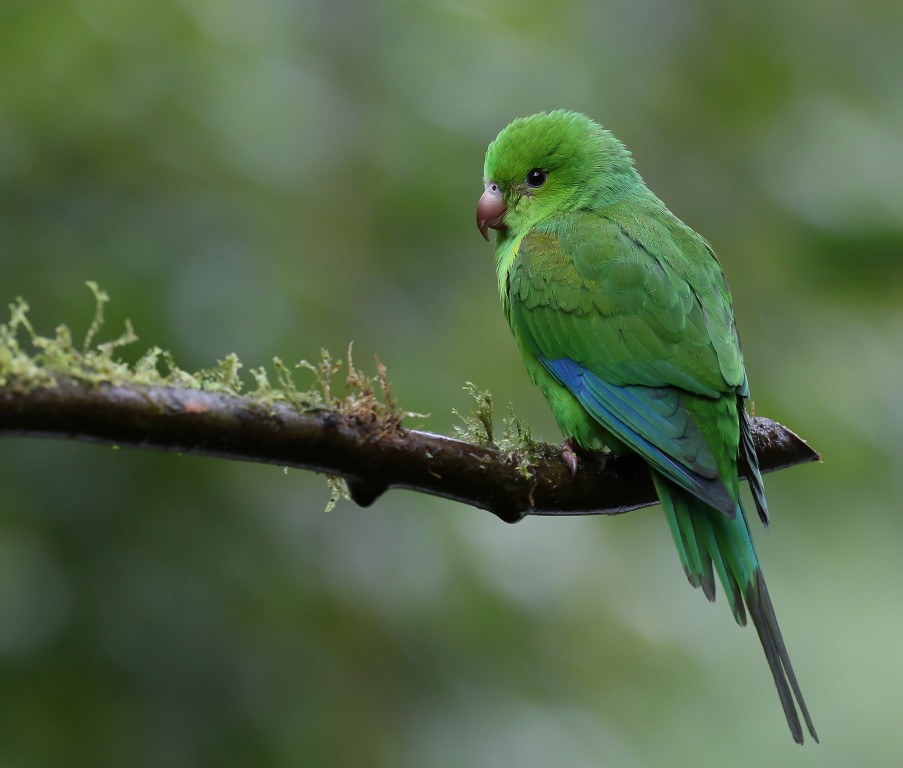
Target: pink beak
(491,209)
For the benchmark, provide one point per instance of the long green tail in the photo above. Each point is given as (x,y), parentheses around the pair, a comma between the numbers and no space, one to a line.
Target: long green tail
(709,542)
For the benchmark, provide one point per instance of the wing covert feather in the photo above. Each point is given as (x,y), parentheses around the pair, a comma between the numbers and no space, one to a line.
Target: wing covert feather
(653,315)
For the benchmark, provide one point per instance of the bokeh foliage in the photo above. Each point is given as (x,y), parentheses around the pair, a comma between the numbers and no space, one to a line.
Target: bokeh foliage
(272,178)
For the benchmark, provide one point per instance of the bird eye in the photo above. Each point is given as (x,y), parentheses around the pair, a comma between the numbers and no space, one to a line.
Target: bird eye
(536,178)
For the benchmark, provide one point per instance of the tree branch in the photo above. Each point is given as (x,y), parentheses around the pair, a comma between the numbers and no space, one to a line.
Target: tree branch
(370,453)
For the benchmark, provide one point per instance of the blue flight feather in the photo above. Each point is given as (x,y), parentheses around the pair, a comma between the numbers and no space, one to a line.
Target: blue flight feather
(639,416)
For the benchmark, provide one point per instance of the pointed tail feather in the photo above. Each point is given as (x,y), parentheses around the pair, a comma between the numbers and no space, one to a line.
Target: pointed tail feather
(761,610)
(693,554)
(705,538)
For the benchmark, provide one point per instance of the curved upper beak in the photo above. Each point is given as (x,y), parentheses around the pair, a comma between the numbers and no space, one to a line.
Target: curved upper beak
(490,210)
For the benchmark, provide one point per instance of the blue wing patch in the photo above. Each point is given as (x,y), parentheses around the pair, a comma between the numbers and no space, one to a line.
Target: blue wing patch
(654,423)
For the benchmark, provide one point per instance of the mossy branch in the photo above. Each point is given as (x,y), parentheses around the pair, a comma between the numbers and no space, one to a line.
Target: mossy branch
(60,391)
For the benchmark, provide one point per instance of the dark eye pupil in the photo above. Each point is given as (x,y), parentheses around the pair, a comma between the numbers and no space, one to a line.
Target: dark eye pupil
(536,178)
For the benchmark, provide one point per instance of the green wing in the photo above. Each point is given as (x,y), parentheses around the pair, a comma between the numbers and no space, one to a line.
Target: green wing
(635,320)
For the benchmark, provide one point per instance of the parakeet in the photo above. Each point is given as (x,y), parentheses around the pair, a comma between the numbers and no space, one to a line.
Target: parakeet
(625,322)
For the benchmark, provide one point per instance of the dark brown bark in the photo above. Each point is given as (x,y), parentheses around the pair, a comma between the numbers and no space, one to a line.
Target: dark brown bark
(370,456)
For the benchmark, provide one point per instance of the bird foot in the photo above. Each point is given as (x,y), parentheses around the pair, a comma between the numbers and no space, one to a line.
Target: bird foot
(571,454)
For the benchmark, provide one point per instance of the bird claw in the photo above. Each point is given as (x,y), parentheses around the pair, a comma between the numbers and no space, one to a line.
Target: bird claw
(569,455)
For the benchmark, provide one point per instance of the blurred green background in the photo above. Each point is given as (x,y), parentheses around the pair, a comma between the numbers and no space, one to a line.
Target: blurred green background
(277,177)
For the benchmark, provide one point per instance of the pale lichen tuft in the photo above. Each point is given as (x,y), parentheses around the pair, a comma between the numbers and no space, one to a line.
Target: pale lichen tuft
(516,445)
(338,490)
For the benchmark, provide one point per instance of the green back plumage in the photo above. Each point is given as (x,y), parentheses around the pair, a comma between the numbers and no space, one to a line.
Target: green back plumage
(625,321)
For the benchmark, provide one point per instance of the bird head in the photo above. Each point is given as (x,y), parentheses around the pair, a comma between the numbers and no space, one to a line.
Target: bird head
(546,165)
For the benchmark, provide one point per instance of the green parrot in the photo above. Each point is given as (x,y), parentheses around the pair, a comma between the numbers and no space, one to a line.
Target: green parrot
(625,322)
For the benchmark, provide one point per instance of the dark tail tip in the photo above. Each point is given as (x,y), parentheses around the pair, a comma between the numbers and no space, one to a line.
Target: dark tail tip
(761,610)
